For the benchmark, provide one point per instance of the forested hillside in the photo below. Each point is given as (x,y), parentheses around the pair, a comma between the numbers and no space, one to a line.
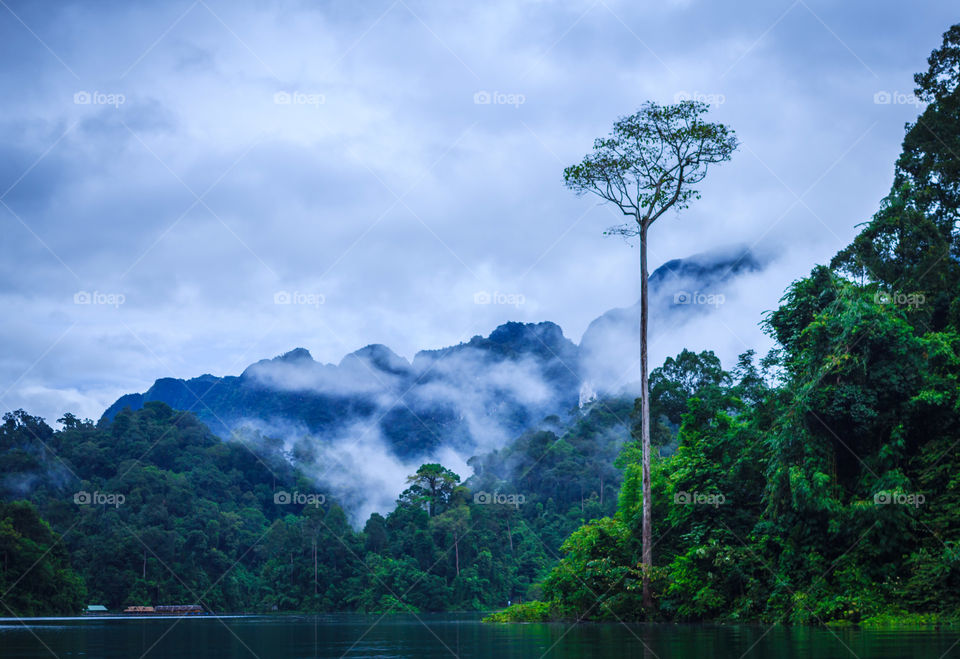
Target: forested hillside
(153,508)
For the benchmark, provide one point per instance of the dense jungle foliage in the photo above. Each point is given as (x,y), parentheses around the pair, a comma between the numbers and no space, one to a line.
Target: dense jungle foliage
(152,508)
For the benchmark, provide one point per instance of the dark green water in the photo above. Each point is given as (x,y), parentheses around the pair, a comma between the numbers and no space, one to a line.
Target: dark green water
(429,636)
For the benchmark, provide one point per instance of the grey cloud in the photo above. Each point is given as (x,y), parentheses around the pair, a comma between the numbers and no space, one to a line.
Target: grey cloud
(306,208)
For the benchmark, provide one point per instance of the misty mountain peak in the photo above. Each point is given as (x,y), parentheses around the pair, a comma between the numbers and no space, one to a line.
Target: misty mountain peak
(295,356)
(487,387)
(677,289)
(298,357)
(715,266)
(514,333)
(380,357)
(544,341)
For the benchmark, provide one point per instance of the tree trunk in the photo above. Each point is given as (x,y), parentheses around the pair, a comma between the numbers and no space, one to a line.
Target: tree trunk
(647,530)
(456,549)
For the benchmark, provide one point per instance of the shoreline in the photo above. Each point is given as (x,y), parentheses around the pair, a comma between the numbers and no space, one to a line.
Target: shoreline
(888,622)
(883,621)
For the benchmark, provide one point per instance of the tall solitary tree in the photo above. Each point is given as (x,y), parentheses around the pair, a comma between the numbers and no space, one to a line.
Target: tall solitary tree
(650,163)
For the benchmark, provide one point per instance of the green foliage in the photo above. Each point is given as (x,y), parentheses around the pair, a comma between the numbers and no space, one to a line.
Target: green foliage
(776,510)
(599,577)
(35,573)
(523,612)
(195,521)
(198,519)
(686,376)
(911,246)
(900,619)
(432,487)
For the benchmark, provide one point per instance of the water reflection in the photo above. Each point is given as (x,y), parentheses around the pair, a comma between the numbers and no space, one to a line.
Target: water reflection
(429,636)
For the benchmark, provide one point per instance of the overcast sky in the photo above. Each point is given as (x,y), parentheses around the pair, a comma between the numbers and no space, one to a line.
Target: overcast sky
(168,169)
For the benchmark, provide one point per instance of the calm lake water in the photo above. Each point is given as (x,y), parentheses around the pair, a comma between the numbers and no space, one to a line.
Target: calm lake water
(428,636)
